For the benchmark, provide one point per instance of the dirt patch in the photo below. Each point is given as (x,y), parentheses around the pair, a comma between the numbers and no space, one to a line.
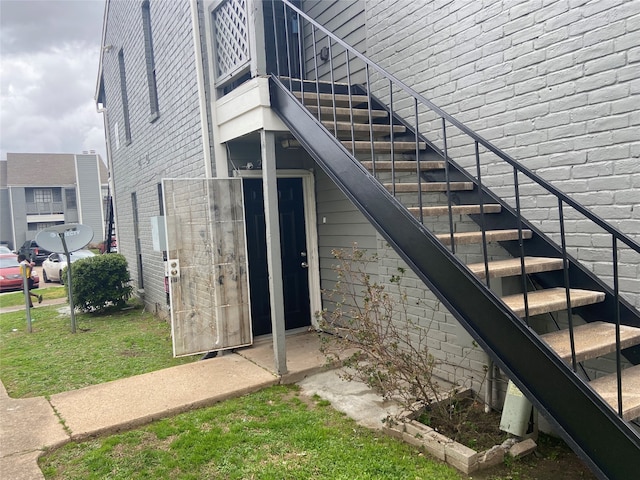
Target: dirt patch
(467,423)
(478,430)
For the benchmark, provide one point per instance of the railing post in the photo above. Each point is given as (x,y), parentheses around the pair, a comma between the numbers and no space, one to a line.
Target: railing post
(393,156)
(616,293)
(567,286)
(373,149)
(418,170)
(523,269)
(483,227)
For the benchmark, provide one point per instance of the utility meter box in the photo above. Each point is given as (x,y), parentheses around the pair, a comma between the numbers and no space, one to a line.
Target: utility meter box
(518,416)
(158,234)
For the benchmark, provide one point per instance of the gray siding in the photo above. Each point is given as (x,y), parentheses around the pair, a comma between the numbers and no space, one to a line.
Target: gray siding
(340,225)
(89,195)
(6,229)
(346,19)
(554,84)
(169,147)
(19,208)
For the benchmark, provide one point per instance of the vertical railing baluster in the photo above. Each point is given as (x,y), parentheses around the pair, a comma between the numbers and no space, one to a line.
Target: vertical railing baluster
(371,135)
(447,181)
(565,268)
(286,41)
(353,134)
(300,58)
(315,66)
(485,253)
(616,296)
(523,271)
(275,37)
(393,157)
(333,90)
(418,170)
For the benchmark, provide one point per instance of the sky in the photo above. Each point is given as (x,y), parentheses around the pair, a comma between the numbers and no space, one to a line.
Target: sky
(49,56)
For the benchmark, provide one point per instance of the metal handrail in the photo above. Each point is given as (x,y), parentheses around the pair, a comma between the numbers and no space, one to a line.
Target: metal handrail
(475,136)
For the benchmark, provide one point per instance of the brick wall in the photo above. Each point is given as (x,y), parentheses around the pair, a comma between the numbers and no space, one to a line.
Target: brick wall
(555,84)
(170,146)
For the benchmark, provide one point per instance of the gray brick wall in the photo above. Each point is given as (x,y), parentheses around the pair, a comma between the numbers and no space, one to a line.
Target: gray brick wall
(169,147)
(554,84)
(341,225)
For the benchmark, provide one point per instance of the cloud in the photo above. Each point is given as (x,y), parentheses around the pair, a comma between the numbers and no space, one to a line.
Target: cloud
(49,54)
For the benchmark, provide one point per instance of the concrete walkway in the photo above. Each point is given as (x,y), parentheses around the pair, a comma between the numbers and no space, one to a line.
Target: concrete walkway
(30,426)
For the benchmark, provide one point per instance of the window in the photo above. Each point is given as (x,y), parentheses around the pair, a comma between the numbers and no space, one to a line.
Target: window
(136,238)
(151,64)
(42,195)
(70,196)
(125,100)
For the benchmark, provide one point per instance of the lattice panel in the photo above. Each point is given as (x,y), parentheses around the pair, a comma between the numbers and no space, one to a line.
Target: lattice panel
(231,37)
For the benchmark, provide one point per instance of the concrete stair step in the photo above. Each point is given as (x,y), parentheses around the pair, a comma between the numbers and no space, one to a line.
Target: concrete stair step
(551,300)
(339,99)
(607,388)
(591,340)
(455,210)
(383,146)
(512,266)
(468,238)
(403,165)
(406,187)
(360,114)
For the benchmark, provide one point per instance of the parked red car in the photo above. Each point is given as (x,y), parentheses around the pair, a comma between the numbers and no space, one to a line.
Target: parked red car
(10,276)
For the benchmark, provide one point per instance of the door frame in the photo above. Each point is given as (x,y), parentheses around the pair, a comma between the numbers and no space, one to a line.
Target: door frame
(311,231)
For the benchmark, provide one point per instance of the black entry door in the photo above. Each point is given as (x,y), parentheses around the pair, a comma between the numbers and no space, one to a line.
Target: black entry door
(294,255)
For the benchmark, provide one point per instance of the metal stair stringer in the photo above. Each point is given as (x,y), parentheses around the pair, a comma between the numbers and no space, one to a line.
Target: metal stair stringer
(517,350)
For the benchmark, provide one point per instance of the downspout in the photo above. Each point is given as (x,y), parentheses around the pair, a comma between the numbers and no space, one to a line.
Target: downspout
(488,398)
(202,99)
(105,117)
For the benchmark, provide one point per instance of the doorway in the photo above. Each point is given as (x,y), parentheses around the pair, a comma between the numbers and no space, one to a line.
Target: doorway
(293,243)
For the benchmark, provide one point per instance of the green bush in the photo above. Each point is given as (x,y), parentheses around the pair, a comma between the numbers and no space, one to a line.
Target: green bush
(100,282)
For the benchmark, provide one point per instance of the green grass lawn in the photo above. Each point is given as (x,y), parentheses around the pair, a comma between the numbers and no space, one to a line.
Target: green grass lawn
(272,434)
(13,299)
(106,347)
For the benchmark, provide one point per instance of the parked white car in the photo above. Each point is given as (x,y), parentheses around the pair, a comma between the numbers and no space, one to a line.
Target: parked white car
(54,264)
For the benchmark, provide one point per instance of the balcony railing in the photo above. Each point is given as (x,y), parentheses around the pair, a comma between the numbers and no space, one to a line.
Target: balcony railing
(44,208)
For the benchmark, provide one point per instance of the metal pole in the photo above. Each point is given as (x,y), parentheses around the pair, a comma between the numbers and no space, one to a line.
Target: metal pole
(71,306)
(27,300)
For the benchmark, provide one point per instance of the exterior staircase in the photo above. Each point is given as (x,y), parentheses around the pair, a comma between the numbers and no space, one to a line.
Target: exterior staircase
(401,181)
(590,340)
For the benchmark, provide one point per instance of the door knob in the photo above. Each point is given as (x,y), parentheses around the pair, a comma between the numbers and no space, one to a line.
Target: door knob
(304,265)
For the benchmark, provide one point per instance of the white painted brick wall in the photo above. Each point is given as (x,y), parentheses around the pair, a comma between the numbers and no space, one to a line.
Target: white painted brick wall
(556,84)
(169,147)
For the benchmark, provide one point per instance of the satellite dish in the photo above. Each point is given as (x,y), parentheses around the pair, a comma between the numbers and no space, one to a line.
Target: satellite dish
(76,236)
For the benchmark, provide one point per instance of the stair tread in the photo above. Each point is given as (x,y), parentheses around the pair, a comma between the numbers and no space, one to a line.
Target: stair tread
(551,300)
(466,238)
(363,127)
(347,112)
(383,146)
(456,210)
(607,388)
(591,340)
(406,187)
(512,266)
(404,165)
(328,98)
